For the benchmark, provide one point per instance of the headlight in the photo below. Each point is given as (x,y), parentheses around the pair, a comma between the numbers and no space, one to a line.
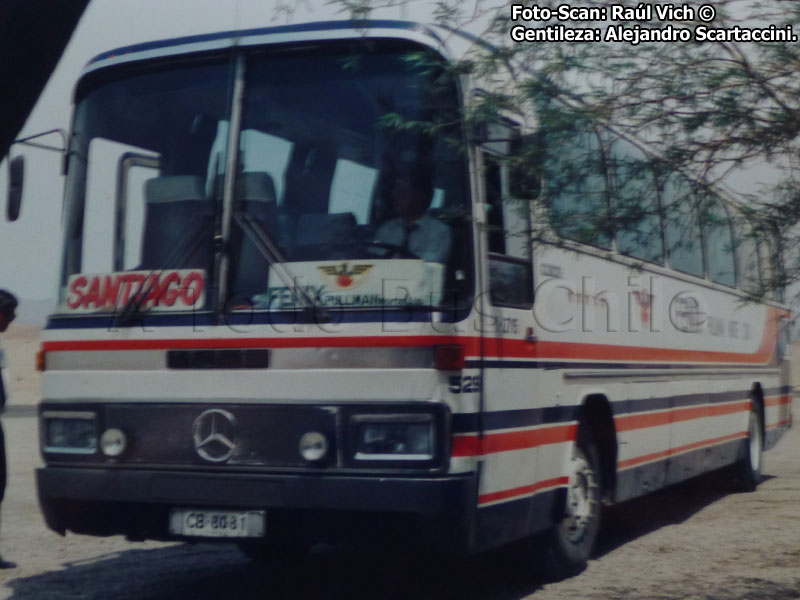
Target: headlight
(394,437)
(313,446)
(113,442)
(70,432)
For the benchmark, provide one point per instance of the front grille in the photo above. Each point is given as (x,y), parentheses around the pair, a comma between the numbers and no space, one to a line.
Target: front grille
(266,436)
(256,436)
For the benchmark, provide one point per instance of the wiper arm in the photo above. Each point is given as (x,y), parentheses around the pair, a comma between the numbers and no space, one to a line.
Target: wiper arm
(263,242)
(181,250)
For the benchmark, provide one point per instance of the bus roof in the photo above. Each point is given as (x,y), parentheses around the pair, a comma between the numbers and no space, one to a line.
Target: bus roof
(435,36)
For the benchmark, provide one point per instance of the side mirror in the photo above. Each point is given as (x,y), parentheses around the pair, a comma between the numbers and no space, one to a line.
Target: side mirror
(16,179)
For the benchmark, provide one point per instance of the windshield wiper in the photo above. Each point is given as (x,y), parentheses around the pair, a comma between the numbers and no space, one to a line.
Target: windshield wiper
(181,250)
(264,244)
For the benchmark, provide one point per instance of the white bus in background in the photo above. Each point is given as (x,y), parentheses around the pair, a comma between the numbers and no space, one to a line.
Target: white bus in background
(238,355)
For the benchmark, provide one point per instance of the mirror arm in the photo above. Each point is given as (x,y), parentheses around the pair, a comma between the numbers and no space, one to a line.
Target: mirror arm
(27,140)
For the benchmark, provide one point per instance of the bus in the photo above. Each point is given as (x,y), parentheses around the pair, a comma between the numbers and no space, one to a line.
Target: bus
(301,301)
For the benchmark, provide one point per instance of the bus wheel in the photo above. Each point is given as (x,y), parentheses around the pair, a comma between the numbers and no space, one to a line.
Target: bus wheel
(570,542)
(748,469)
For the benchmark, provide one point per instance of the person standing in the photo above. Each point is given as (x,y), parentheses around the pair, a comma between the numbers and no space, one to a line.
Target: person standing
(8,307)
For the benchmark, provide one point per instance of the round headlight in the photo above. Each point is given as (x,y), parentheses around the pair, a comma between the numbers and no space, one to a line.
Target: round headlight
(113,442)
(313,446)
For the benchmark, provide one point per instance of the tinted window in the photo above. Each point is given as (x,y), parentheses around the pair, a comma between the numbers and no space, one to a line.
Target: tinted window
(141,193)
(682,226)
(747,259)
(637,217)
(719,244)
(771,267)
(510,270)
(575,180)
(342,162)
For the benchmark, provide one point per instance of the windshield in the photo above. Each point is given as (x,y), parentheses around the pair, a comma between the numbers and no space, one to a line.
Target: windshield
(352,165)
(351,184)
(141,211)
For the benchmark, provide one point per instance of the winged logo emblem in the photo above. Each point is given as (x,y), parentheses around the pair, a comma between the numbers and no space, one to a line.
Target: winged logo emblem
(344,276)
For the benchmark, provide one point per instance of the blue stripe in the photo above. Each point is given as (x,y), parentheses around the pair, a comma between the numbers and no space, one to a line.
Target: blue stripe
(509,419)
(623,407)
(554,364)
(234,34)
(209,319)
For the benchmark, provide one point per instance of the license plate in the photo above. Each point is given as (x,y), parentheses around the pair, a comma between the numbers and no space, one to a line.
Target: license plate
(217,523)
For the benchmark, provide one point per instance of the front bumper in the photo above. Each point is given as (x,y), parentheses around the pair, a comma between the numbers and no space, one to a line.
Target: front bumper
(301,508)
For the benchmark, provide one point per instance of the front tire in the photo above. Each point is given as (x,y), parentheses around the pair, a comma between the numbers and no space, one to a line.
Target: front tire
(569,544)
(748,469)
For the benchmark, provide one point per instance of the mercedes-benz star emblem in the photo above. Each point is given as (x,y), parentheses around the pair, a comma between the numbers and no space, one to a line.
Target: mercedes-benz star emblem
(214,434)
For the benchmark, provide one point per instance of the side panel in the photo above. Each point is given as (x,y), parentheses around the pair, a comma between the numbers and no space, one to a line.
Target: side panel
(679,362)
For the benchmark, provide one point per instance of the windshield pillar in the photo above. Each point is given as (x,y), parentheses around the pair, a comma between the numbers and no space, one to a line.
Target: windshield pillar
(231,174)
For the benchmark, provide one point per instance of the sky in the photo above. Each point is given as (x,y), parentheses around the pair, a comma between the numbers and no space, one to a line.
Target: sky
(30,247)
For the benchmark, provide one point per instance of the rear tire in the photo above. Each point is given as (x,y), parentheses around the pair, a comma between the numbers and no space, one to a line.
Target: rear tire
(748,469)
(569,543)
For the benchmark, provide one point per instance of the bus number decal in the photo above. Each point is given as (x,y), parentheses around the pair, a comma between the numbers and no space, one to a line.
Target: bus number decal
(468,384)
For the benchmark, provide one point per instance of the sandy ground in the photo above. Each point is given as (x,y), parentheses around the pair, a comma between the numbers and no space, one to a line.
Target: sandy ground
(695,541)
(21,342)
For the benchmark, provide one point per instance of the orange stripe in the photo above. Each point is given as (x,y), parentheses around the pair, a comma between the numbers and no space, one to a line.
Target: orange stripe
(778,400)
(496,348)
(559,481)
(778,425)
(627,423)
(472,445)
(499,347)
(493,347)
(672,451)
(525,490)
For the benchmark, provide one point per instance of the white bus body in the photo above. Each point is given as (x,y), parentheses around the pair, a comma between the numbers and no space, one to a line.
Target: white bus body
(430,402)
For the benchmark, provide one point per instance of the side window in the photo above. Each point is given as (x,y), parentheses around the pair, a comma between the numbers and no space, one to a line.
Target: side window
(747,259)
(135,170)
(766,266)
(575,180)
(509,242)
(115,205)
(635,206)
(771,267)
(682,226)
(719,244)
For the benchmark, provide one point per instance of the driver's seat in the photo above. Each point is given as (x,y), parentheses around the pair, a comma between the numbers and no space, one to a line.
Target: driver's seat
(323,229)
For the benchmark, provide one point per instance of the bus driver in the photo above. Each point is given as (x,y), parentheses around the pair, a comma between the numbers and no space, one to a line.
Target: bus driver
(413,229)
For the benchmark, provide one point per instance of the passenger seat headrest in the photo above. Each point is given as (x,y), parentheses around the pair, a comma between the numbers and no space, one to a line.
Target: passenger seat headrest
(174,188)
(256,187)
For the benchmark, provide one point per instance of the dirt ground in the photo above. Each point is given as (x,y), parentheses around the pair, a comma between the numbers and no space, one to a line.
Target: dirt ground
(695,541)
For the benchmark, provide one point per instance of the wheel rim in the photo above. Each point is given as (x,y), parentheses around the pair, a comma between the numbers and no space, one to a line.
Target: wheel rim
(581,497)
(755,443)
